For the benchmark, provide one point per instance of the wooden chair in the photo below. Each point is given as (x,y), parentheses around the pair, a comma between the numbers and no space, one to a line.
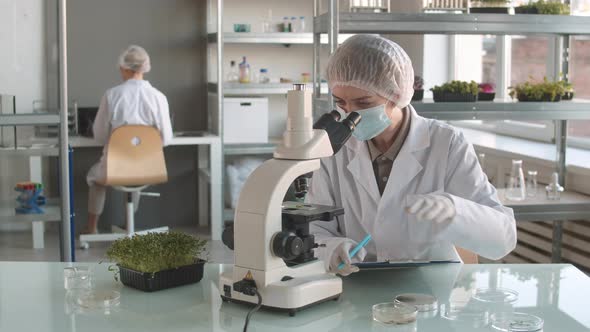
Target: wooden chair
(134,161)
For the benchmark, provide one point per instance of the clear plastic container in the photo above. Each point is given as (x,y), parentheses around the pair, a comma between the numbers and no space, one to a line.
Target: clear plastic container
(495,295)
(465,313)
(263,78)
(293,24)
(301,25)
(233,76)
(99,299)
(394,313)
(554,189)
(516,190)
(516,322)
(531,184)
(267,23)
(77,277)
(422,302)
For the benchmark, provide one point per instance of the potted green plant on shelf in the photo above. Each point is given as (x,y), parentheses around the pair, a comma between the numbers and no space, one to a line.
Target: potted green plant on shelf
(543,91)
(544,7)
(490,7)
(456,91)
(568,93)
(486,92)
(418,88)
(156,261)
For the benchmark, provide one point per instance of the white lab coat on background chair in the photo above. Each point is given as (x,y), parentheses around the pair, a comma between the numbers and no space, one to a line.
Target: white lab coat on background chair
(134,161)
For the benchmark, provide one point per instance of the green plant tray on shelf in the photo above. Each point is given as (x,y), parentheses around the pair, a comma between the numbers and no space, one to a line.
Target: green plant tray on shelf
(448,97)
(151,282)
(546,98)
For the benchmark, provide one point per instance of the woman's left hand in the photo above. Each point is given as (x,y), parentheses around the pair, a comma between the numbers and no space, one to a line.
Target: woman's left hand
(432,207)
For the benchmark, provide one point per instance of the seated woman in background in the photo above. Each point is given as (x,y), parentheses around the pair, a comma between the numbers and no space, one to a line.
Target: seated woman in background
(134,102)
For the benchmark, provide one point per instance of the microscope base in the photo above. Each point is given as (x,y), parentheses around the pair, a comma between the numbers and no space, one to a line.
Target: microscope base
(291,295)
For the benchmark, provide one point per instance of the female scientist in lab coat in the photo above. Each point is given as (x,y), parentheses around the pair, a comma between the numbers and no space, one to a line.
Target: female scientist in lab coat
(413,184)
(135,102)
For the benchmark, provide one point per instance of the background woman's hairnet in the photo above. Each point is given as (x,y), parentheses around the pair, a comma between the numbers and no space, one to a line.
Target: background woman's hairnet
(374,64)
(135,58)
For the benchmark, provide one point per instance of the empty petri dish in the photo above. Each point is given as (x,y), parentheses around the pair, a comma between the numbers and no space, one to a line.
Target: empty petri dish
(495,295)
(394,313)
(97,299)
(516,322)
(422,302)
(465,313)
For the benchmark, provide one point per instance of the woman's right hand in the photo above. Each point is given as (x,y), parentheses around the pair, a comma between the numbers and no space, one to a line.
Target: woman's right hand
(340,253)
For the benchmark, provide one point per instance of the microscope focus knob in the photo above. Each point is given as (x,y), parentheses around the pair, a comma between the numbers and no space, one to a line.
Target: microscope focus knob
(287,245)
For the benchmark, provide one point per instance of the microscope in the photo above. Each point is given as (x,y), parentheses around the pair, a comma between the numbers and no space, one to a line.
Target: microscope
(273,248)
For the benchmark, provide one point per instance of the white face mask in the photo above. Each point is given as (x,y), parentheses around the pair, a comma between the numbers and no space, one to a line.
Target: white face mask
(374,121)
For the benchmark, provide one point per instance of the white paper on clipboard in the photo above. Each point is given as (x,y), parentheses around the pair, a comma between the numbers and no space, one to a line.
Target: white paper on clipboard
(394,265)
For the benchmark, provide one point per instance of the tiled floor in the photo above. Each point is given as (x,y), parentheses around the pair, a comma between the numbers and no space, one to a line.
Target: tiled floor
(18,246)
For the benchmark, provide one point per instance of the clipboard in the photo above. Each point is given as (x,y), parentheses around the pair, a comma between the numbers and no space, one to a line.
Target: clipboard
(394,265)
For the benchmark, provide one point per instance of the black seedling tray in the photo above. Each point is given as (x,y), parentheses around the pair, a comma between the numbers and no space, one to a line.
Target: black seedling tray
(486,96)
(546,98)
(447,97)
(151,282)
(489,10)
(418,95)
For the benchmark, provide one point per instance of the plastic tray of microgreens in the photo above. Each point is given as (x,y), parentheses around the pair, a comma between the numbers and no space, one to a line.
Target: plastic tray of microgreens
(157,261)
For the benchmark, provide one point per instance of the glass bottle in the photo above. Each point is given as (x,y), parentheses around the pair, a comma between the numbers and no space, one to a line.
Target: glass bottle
(264,76)
(267,23)
(554,189)
(244,71)
(293,24)
(516,186)
(301,26)
(233,76)
(285,24)
(531,184)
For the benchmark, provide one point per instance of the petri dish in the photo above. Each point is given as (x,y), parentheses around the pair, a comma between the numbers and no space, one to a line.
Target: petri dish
(516,322)
(495,295)
(394,313)
(422,302)
(465,313)
(98,299)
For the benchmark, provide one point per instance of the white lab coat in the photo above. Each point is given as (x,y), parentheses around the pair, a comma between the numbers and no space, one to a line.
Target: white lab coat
(435,158)
(135,102)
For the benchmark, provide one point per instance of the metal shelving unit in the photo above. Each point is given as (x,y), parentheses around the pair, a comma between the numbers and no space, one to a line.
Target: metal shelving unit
(479,24)
(565,110)
(560,27)
(258,89)
(58,210)
(32,119)
(278,38)
(52,213)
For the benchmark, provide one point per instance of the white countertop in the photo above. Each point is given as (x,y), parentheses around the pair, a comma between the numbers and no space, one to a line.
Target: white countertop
(33,299)
(88,142)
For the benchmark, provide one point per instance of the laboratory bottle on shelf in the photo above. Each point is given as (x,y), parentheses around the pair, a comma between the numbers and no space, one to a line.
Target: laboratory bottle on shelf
(233,76)
(301,25)
(531,187)
(244,71)
(516,190)
(263,78)
(286,24)
(267,23)
(554,189)
(293,24)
